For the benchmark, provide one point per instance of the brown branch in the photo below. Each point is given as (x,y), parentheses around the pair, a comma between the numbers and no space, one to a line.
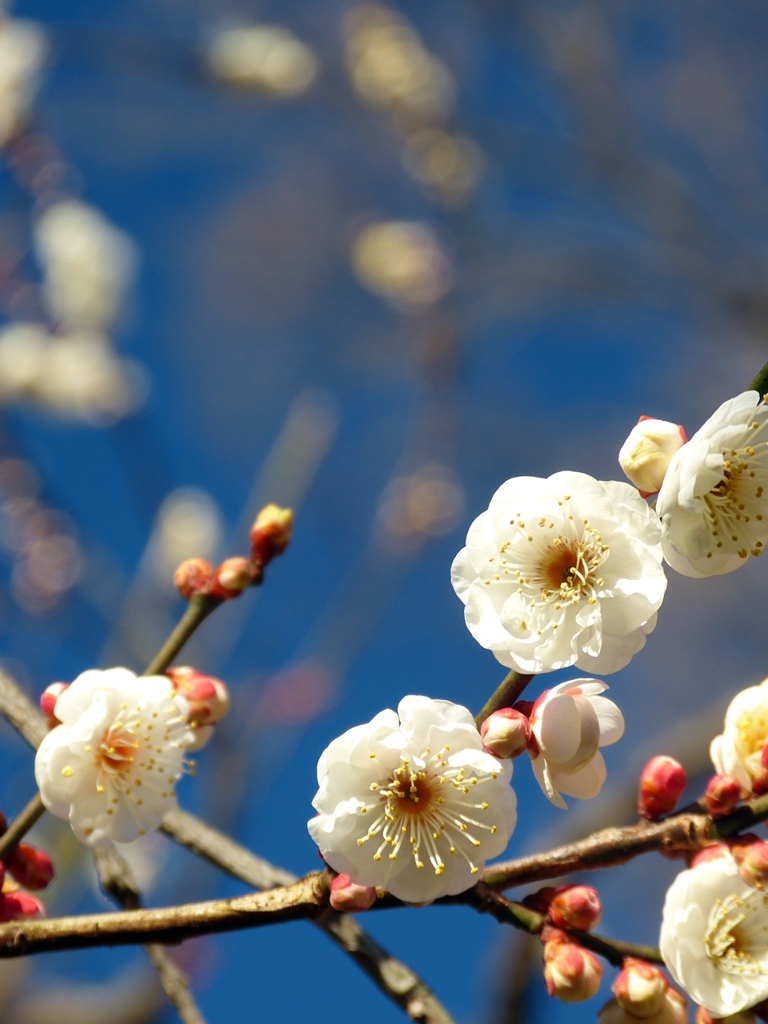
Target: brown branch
(116,880)
(20,825)
(394,978)
(504,696)
(19,710)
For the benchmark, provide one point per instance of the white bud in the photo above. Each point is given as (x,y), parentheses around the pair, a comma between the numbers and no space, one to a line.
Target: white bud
(647,452)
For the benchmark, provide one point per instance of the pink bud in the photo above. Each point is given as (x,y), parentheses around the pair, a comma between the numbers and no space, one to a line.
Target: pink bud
(14,906)
(575,906)
(347,897)
(30,867)
(752,861)
(206,697)
(744,1017)
(195,576)
(714,852)
(722,795)
(661,783)
(505,733)
(571,973)
(640,988)
(232,577)
(648,450)
(270,533)
(48,699)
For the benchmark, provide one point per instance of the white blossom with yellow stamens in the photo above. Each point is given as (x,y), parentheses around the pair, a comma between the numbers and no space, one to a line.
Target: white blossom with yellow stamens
(713,502)
(714,937)
(562,571)
(111,766)
(413,804)
(738,750)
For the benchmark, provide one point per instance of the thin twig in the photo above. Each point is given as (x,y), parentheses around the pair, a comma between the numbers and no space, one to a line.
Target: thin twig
(199,607)
(117,881)
(504,696)
(20,825)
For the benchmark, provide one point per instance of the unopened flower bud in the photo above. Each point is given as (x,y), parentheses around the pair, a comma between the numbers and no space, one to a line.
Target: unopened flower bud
(661,783)
(195,576)
(15,906)
(505,733)
(673,1011)
(752,861)
(30,867)
(640,988)
(647,452)
(207,698)
(722,795)
(714,852)
(232,577)
(48,699)
(575,906)
(270,533)
(347,897)
(571,973)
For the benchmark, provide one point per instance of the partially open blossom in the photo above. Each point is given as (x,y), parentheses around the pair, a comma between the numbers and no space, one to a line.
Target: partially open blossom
(18,906)
(721,795)
(233,576)
(207,701)
(750,855)
(194,576)
(640,988)
(347,897)
(646,453)
(111,767)
(30,867)
(506,733)
(569,723)
(738,751)
(575,906)
(48,699)
(571,973)
(673,1011)
(270,533)
(713,503)
(562,571)
(662,782)
(412,803)
(713,937)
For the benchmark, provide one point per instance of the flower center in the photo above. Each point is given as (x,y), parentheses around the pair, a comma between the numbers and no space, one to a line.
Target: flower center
(752,730)
(735,508)
(736,939)
(423,805)
(117,750)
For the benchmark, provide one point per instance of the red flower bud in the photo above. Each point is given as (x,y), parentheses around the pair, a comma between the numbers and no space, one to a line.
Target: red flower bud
(48,699)
(661,783)
(14,906)
(752,860)
(195,576)
(505,733)
(640,988)
(575,906)
(207,700)
(347,897)
(722,795)
(30,867)
(270,533)
(232,577)
(571,973)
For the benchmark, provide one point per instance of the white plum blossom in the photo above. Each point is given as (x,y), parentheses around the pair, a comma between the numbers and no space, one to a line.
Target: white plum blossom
(569,723)
(713,503)
(111,766)
(562,571)
(412,803)
(738,750)
(714,937)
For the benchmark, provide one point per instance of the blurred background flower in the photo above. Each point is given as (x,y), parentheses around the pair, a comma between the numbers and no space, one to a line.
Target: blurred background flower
(367,260)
